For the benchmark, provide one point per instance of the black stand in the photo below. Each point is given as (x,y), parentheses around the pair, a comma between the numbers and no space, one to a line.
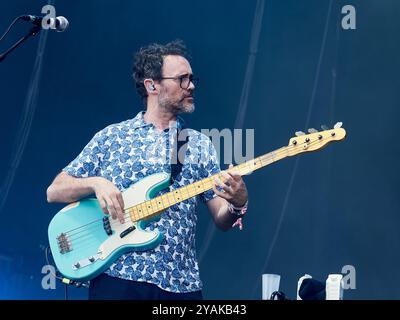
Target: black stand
(34,31)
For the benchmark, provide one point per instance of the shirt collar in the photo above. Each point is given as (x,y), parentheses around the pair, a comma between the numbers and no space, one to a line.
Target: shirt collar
(138,122)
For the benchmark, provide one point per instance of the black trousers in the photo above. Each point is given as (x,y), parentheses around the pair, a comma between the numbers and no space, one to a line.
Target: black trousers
(105,287)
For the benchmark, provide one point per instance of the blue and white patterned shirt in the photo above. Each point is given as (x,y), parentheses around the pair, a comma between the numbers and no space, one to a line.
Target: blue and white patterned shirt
(125,153)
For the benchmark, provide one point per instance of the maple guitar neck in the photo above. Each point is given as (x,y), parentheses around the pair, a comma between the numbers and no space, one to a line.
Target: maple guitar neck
(158,204)
(299,144)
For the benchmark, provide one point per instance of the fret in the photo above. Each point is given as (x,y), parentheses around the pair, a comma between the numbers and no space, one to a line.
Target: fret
(160,204)
(194,189)
(139,211)
(273,156)
(142,208)
(278,156)
(184,193)
(200,187)
(265,160)
(187,194)
(171,198)
(197,187)
(174,201)
(131,213)
(241,169)
(153,204)
(162,199)
(177,195)
(165,200)
(281,153)
(135,214)
(203,188)
(254,165)
(268,158)
(168,199)
(286,149)
(157,203)
(209,183)
(190,189)
(249,167)
(148,208)
(193,186)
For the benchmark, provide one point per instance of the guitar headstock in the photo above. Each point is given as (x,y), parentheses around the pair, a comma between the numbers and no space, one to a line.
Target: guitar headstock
(315,139)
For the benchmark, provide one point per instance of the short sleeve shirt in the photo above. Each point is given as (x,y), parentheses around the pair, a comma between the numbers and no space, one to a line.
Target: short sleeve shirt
(125,153)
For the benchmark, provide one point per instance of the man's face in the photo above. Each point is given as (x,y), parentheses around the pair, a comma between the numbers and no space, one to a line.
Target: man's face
(172,97)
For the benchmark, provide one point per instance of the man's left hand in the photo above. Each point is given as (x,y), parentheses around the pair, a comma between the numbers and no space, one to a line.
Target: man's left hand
(234,188)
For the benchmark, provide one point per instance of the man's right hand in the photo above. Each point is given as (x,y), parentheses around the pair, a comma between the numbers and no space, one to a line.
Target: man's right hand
(110,198)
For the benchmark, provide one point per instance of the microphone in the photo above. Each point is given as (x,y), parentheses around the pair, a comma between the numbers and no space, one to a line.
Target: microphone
(60,23)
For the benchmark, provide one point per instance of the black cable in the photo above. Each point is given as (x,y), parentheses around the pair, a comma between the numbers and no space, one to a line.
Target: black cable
(9,28)
(65,292)
(48,263)
(67,282)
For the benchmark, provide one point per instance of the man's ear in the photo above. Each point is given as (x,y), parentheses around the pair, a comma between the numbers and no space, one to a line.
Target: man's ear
(149,85)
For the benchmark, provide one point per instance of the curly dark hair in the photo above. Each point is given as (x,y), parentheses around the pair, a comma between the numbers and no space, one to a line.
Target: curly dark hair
(148,62)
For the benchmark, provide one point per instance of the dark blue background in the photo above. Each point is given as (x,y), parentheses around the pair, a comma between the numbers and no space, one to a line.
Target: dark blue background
(343,205)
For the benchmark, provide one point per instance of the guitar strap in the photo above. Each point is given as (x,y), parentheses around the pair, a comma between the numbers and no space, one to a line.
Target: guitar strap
(175,163)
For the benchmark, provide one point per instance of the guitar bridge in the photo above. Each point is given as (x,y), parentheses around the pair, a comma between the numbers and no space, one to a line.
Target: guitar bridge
(64,245)
(85,262)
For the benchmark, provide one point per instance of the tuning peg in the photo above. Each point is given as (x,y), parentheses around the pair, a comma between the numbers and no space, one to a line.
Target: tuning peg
(312,130)
(324,127)
(299,133)
(338,125)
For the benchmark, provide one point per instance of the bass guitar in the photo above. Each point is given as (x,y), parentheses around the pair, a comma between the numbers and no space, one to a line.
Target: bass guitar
(84,241)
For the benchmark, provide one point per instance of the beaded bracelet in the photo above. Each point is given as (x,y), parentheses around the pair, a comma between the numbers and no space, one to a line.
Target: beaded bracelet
(239,212)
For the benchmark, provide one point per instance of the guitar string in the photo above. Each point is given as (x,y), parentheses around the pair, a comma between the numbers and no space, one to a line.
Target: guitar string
(263,158)
(85,242)
(112,223)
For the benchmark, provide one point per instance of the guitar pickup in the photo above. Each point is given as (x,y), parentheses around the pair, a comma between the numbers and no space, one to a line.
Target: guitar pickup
(127,231)
(107,226)
(85,262)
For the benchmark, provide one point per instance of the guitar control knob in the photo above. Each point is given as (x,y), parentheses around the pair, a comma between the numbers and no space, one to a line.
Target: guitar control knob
(77,265)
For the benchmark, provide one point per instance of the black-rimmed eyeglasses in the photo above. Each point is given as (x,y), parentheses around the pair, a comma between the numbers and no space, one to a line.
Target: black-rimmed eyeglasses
(185,80)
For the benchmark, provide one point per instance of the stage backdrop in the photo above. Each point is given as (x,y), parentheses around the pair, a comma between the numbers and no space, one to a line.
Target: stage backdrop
(284,66)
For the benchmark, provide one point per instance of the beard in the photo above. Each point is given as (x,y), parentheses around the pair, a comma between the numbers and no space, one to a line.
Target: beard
(176,106)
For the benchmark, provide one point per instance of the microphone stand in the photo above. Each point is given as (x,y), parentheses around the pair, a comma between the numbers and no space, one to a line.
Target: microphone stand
(33,32)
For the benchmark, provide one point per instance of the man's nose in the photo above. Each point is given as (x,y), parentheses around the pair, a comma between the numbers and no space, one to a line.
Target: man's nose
(191,86)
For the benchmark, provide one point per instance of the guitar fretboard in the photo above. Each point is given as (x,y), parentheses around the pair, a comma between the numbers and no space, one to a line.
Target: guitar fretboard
(156,205)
